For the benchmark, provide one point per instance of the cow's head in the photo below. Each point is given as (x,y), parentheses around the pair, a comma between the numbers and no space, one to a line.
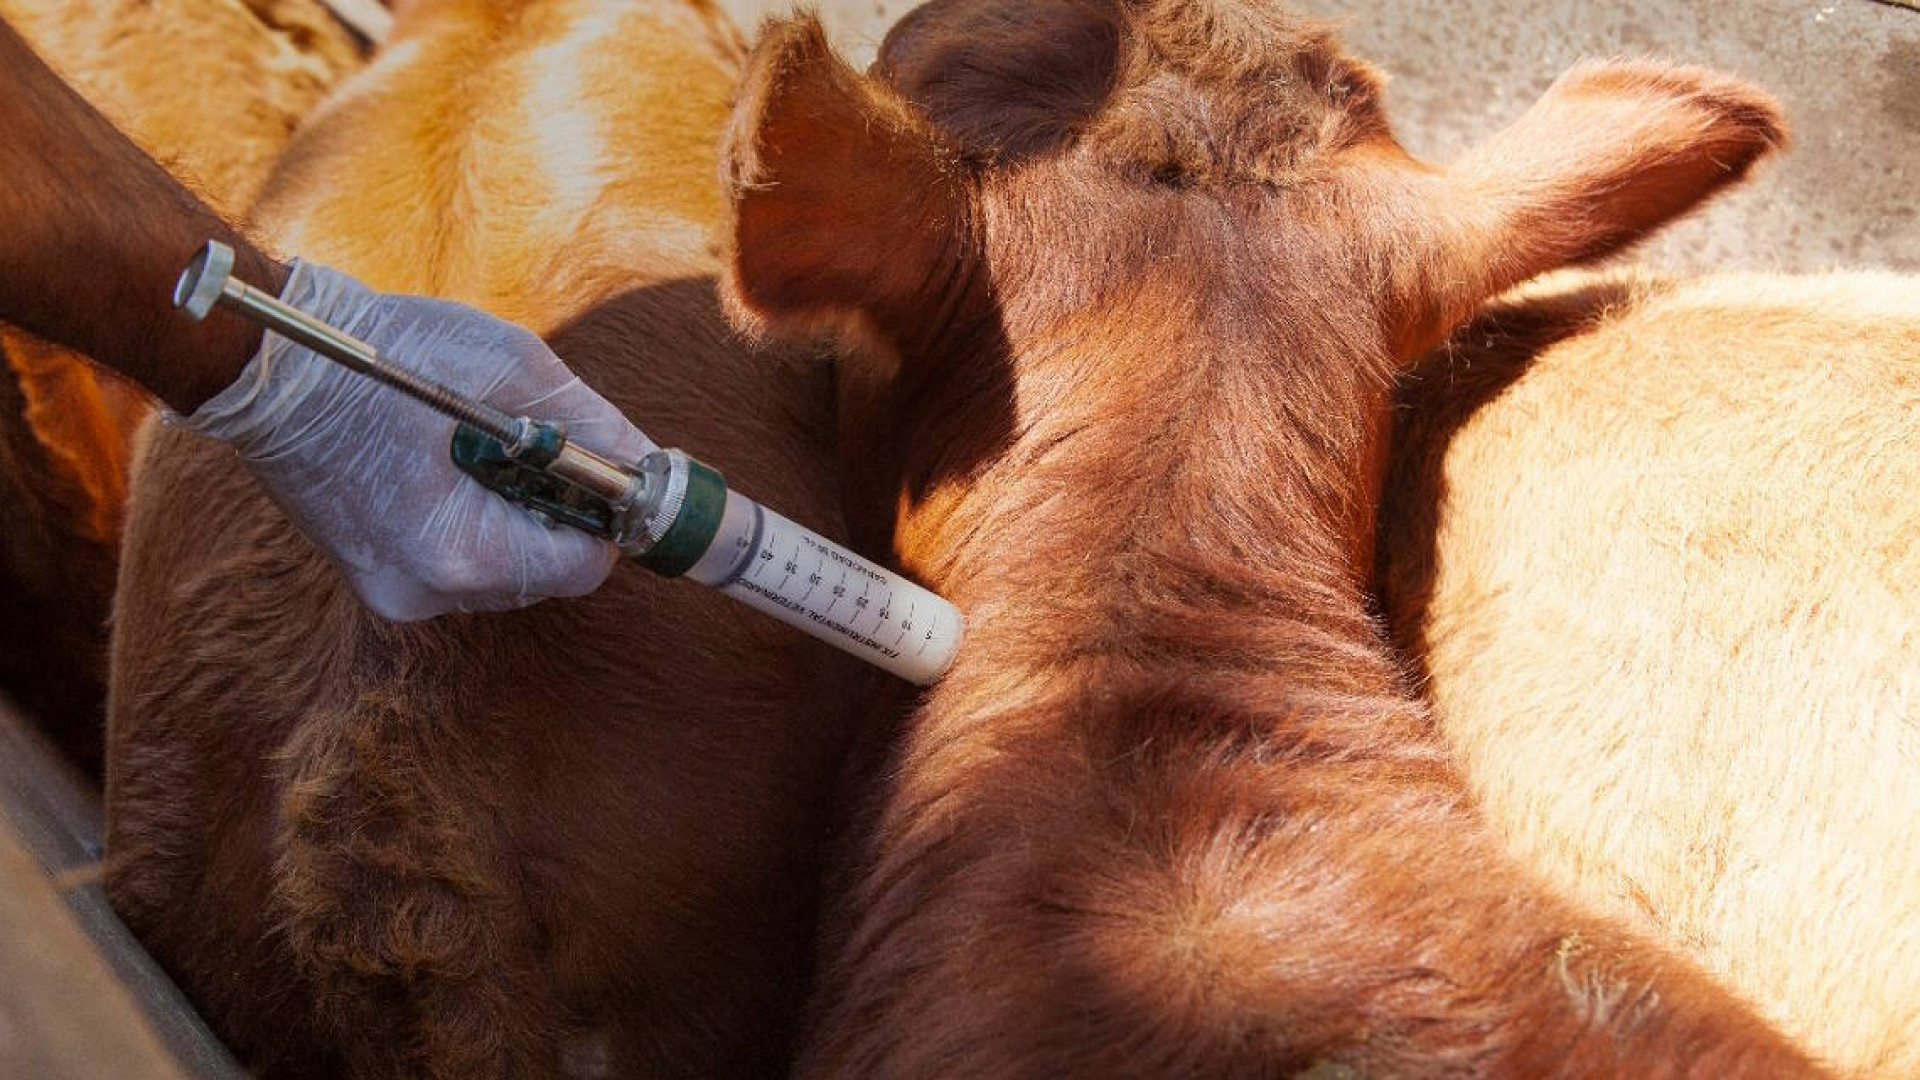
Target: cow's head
(1166,253)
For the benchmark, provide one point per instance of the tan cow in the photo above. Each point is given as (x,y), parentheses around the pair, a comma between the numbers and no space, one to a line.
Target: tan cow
(1132,282)
(577,840)
(214,88)
(1657,545)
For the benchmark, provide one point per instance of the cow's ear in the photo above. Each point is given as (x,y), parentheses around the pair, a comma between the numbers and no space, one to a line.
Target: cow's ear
(845,202)
(1610,153)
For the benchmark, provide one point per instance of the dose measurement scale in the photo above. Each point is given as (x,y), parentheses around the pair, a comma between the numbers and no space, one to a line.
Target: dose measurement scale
(668,512)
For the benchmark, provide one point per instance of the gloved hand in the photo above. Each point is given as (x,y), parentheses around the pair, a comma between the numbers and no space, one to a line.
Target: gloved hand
(363,470)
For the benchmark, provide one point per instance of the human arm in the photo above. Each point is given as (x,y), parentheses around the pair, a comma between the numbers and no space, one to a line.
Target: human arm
(92,235)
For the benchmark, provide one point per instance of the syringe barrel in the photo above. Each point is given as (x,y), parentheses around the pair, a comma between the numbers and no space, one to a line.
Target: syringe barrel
(813,584)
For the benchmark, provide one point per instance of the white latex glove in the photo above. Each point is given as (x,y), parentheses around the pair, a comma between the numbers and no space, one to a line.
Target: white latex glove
(364,472)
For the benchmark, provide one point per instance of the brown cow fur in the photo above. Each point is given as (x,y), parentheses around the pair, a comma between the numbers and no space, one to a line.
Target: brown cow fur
(214,89)
(1130,284)
(576,840)
(65,430)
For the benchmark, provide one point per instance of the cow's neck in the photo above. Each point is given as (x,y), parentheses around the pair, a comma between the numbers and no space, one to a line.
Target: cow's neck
(1178,534)
(1178,656)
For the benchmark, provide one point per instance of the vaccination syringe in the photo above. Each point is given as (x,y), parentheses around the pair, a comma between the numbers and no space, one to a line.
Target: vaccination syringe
(667,511)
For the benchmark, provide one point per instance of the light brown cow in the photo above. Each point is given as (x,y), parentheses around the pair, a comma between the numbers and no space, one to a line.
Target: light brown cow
(213,88)
(574,840)
(1132,282)
(1657,547)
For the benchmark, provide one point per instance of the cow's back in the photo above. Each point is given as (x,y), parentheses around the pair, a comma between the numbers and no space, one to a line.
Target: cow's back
(1654,544)
(582,833)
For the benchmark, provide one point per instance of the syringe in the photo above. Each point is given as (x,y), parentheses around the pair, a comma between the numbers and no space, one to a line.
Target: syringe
(668,512)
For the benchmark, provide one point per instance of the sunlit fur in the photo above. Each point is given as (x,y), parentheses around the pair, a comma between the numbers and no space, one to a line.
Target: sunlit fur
(578,840)
(1129,285)
(1656,546)
(213,88)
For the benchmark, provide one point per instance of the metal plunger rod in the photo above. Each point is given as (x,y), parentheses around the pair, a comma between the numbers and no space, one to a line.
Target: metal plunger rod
(297,326)
(208,280)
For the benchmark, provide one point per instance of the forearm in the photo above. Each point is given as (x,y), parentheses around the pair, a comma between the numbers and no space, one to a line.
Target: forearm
(93,234)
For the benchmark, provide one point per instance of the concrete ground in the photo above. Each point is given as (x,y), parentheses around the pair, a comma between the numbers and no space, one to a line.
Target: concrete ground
(1846,194)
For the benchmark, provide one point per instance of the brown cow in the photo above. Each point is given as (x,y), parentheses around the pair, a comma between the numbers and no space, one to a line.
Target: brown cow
(1133,282)
(214,88)
(574,840)
(1655,548)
